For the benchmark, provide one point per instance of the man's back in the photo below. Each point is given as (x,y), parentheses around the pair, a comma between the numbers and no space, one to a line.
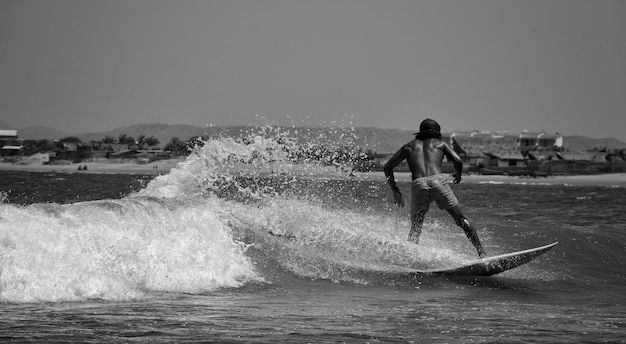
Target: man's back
(424,157)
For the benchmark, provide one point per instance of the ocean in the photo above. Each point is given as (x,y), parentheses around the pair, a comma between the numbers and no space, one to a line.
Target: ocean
(238,244)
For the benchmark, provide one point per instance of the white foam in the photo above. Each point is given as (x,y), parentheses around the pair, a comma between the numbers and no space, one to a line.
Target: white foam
(116,250)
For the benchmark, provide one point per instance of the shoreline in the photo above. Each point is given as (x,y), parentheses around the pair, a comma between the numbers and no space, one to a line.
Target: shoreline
(609,179)
(164,167)
(156,167)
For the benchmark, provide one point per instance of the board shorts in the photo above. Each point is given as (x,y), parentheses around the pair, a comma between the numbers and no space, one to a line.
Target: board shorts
(436,188)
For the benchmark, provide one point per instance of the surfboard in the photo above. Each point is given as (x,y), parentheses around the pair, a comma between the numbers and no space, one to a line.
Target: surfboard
(492,265)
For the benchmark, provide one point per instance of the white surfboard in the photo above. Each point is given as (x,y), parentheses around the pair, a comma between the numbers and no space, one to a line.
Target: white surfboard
(492,265)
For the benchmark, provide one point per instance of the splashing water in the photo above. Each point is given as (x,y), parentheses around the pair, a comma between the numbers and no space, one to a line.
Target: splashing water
(117,250)
(234,212)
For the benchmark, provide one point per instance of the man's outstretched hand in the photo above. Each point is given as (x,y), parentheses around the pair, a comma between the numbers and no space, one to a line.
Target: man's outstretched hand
(457,178)
(397,198)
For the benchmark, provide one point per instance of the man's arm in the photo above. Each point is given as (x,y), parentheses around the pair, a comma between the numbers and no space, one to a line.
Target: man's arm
(395,160)
(456,161)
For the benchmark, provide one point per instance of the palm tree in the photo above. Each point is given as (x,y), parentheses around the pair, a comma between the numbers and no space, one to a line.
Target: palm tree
(152,141)
(108,139)
(147,141)
(125,139)
(176,147)
(141,141)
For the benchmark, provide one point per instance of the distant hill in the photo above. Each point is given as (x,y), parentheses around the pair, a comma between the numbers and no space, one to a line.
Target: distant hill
(379,140)
(159,131)
(39,133)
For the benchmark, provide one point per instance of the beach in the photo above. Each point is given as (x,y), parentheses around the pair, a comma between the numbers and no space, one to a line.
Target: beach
(164,166)
(155,167)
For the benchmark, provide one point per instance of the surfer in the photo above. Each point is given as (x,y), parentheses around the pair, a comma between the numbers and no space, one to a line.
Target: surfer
(424,156)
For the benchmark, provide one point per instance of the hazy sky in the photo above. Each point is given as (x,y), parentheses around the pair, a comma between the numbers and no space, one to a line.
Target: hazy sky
(91,66)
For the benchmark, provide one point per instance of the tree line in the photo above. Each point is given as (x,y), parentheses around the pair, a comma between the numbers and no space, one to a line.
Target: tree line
(339,155)
(46,145)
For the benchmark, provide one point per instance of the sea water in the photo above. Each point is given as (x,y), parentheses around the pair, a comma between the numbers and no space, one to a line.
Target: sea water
(241,243)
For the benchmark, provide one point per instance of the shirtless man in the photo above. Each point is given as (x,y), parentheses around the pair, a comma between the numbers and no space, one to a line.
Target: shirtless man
(424,156)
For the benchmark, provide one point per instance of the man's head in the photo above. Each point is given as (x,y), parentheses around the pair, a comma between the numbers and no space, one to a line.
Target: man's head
(429,128)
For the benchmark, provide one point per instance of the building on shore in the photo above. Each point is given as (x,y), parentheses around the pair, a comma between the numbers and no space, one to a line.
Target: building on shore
(503,149)
(10,144)
(524,153)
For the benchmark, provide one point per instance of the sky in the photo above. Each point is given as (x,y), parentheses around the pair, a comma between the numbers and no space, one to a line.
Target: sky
(92,66)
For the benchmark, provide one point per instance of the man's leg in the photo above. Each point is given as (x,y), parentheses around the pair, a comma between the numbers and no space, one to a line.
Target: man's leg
(469,230)
(417,220)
